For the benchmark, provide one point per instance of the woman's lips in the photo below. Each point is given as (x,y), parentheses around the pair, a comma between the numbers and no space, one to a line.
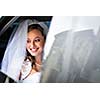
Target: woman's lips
(34,49)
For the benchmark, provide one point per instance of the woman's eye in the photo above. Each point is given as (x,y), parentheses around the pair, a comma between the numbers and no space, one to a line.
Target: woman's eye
(28,41)
(37,40)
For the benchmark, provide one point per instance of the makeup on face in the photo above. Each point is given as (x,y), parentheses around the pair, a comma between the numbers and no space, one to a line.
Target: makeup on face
(35,42)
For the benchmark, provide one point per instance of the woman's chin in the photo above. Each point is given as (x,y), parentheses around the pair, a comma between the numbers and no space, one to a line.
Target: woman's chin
(33,54)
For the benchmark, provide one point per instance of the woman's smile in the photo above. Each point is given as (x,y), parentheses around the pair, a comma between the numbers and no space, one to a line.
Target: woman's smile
(34,49)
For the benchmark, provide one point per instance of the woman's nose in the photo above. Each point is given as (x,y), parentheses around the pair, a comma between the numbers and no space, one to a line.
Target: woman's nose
(32,45)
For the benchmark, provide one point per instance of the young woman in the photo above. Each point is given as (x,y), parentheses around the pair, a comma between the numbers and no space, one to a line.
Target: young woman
(31,69)
(23,56)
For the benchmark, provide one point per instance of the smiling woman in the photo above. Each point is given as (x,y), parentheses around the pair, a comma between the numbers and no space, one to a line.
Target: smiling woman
(23,55)
(31,69)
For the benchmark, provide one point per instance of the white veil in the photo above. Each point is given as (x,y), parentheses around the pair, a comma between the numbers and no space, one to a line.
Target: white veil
(16,49)
(72,50)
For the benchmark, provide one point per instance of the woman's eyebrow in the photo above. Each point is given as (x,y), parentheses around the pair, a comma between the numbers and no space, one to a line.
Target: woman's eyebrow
(37,37)
(28,38)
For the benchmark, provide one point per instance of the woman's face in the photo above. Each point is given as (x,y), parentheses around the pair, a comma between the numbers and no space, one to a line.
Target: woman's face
(35,42)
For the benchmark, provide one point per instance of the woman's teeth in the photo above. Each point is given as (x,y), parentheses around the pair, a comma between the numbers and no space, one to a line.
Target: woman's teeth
(34,49)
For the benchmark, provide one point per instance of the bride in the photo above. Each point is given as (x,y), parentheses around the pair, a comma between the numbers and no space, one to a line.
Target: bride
(22,60)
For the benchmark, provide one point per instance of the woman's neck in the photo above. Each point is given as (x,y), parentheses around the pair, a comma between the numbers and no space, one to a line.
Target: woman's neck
(38,59)
(38,63)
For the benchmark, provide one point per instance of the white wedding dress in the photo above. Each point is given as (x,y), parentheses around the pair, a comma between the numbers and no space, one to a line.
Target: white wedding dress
(32,78)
